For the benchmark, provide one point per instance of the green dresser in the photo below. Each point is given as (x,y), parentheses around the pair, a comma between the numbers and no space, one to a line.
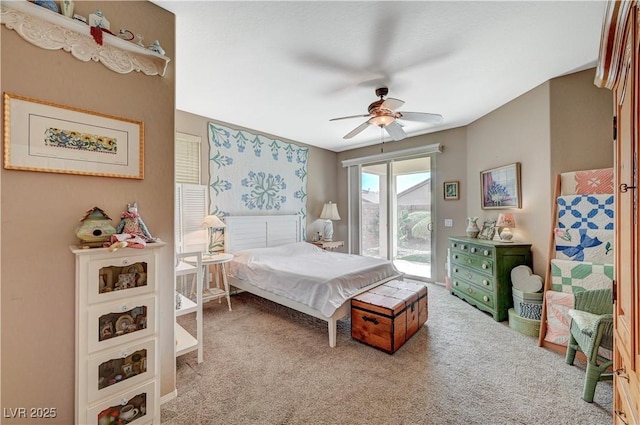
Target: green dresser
(481,272)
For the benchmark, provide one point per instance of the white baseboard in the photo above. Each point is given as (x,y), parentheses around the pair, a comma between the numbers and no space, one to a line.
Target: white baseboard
(168,397)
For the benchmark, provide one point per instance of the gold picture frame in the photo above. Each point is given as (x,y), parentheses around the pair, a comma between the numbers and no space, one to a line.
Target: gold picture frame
(48,137)
(500,187)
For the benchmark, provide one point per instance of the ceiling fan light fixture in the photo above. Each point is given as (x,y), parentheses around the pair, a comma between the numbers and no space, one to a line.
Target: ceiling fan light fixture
(381,120)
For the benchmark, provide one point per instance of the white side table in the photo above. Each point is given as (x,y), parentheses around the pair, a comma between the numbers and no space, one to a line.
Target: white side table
(219,261)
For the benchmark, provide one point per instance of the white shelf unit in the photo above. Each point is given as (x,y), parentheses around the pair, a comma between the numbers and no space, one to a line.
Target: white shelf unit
(116,364)
(186,342)
(52,31)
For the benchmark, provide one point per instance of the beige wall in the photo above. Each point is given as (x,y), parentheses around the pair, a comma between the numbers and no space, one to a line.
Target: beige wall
(581,124)
(322,182)
(516,132)
(40,211)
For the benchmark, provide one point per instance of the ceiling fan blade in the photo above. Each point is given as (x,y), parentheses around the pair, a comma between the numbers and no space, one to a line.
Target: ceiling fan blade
(421,117)
(351,116)
(357,130)
(391,104)
(395,131)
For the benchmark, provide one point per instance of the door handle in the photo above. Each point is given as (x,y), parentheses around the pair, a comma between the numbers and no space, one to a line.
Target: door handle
(624,187)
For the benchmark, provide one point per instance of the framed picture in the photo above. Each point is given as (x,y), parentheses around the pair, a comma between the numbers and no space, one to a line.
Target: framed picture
(500,187)
(451,190)
(488,230)
(47,137)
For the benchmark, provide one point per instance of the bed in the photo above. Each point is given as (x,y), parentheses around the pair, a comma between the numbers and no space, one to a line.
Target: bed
(271,261)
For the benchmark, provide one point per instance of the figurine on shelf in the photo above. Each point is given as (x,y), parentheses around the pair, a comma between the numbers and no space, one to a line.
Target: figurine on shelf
(67,8)
(155,47)
(132,223)
(49,4)
(97,19)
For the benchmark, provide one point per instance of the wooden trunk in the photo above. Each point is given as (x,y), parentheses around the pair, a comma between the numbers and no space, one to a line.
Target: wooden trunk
(385,317)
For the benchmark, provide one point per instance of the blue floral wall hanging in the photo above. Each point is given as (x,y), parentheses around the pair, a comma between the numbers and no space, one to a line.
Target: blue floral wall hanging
(252,174)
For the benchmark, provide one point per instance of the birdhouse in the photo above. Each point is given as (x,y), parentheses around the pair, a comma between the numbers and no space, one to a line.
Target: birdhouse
(95,229)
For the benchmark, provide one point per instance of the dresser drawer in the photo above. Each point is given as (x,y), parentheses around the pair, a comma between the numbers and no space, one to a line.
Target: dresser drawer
(123,322)
(459,246)
(469,290)
(133,407)
(121,368)
(486,282)
(473,262)
(123,277)
(482,251)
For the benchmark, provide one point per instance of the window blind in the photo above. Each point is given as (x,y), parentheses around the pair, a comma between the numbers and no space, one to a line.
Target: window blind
(187,158)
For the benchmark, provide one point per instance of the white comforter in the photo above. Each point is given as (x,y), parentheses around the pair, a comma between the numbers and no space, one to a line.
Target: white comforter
(302,272)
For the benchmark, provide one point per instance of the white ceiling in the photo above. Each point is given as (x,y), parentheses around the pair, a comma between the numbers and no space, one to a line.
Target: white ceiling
(286,68)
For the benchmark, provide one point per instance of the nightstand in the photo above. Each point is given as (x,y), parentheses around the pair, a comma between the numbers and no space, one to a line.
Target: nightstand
(328,245)
(219,261)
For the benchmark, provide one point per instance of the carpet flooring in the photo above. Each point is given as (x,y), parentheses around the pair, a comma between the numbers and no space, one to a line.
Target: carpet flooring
(267,364)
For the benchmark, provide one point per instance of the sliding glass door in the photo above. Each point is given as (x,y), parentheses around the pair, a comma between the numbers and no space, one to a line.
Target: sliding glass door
(395,205)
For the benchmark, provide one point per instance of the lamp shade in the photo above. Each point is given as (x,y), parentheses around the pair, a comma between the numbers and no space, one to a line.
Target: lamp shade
(506,220)
(212,221)
(330,211)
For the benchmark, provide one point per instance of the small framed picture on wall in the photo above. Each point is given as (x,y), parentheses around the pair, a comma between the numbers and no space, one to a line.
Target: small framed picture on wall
(451,190)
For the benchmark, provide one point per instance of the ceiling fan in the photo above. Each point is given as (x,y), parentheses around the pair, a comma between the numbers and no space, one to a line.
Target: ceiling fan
(383,114)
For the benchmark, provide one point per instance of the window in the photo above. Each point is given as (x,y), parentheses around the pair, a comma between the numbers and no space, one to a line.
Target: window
(187,154)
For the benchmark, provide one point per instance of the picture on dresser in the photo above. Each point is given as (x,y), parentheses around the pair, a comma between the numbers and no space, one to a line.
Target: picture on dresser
(488,230)
(500,187)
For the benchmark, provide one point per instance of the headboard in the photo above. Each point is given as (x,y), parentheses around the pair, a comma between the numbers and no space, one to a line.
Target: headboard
(244,232)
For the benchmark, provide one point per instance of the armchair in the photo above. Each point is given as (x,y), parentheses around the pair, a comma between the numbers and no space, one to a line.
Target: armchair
(591,328)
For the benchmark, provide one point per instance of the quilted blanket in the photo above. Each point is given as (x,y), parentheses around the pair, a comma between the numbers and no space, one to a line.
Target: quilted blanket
(587,182)
(584,245)
(576,276)
(585,212)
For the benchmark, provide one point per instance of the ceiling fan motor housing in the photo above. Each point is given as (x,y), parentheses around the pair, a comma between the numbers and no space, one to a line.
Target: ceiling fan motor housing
(382,91)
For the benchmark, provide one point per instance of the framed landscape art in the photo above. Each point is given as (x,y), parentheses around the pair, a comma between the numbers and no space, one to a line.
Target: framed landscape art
(48,137)
(500,187)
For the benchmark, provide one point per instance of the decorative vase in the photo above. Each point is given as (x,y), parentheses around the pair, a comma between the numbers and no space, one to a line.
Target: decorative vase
(67,8)
(472,227)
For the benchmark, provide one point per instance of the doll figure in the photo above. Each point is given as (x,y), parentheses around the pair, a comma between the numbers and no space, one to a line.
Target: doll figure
(132,223)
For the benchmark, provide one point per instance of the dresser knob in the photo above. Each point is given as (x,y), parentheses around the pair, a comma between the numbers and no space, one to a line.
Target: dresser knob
(486,252)
(125,261)
(469,260)
(455,256)
(485,298)
(473,249)
(485,266)
(485,282)
(455,283)
(470,290)
(124,307)
(463,246)
(124,354)
(124,401)
(456,270)
(455,245)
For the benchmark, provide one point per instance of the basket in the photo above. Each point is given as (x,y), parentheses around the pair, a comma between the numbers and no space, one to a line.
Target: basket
(527,304)
(523,325)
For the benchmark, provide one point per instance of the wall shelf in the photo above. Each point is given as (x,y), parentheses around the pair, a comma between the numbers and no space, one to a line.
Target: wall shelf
(52,31)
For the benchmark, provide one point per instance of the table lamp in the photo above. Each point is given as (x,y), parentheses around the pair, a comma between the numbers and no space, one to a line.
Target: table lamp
(216,237)
(329,212)
(505,223)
